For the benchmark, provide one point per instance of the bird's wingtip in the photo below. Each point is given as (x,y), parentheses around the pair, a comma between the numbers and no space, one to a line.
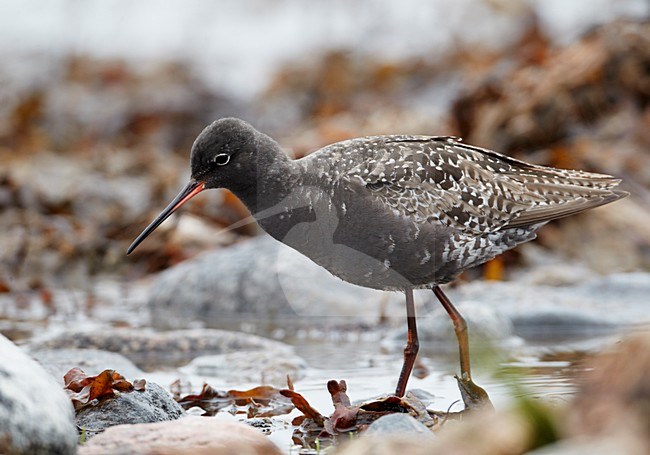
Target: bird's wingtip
(621,194)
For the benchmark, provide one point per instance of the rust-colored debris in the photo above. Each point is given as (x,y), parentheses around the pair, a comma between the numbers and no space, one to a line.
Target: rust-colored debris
(262,401)
(347,417)
(303,406)
(267,401)
(84,390)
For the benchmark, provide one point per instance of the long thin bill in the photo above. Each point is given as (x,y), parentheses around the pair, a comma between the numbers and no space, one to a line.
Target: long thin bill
(191,189)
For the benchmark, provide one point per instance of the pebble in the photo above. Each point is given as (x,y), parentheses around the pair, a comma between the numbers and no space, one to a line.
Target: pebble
(399,424)
(154,404)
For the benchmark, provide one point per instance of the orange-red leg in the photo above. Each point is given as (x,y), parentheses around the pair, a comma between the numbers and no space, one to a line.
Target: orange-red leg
(473,395)
(412,345)
(460,327)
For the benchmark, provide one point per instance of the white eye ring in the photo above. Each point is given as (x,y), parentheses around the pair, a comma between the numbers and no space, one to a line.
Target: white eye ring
(221,159)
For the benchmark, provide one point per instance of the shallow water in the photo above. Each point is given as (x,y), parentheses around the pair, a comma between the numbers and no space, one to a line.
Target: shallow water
(544,367)
(370,372)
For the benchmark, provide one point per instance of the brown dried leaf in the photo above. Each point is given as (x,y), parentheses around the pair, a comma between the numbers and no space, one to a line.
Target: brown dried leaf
(312,426)
(75,379)
(387,405)
(303,406)
(117,382)
(262,401)
(264,392)
(83,389)
(206,396)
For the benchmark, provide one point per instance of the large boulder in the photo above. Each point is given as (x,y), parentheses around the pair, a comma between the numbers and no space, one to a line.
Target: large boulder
(36,416)
(151,350)
(260,282)
(92,361)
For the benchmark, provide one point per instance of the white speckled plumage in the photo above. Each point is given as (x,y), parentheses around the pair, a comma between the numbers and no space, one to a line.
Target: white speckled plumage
(489,201)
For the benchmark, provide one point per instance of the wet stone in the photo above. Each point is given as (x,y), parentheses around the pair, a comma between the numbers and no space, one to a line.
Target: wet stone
(560,323)
(189,435)
(264,284)
(399,424)
(36,416)
(151,350)
(485,323)
(596,303)
(154,404)
(264,424)
(263,367)
(92,361)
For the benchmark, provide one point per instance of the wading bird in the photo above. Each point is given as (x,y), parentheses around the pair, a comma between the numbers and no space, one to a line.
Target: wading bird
(393,213)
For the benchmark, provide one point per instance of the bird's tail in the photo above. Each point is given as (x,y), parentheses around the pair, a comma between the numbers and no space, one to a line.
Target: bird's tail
(566,192)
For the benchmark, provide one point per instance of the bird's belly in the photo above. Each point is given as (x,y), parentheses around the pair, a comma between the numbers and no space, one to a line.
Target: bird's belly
(370,248)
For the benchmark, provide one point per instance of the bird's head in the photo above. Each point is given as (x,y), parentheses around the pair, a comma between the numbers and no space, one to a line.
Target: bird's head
(223,156)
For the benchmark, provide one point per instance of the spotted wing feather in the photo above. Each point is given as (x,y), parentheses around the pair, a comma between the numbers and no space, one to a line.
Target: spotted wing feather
(471,189)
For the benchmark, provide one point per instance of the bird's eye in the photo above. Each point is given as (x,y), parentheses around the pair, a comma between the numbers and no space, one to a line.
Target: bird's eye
(221,159)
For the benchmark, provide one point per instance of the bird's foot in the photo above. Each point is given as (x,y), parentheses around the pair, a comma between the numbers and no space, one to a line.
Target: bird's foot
(474,397)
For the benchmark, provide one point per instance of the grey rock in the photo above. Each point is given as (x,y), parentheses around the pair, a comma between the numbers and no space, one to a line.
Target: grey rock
(260,282)
(581,314)
(36,416)
(92,361)
(399,424)
(594,304)
(151,350)
(189,435)
(154,404)
(484,323)
(270,286)
(559,322)
(269,366)
(422,396)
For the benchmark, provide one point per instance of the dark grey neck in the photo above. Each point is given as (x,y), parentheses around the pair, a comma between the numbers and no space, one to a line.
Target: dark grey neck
(269,178)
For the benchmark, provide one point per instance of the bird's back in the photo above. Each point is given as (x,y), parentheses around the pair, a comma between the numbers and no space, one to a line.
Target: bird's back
(471,188)
(473,202)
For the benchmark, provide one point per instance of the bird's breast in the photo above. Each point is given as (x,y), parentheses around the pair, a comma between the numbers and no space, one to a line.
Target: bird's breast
(357,239)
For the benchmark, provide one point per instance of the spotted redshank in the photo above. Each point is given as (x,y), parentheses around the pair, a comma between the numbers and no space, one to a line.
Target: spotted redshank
(395,213)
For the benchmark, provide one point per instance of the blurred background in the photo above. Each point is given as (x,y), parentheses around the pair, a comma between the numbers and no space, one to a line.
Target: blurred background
(101,101)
